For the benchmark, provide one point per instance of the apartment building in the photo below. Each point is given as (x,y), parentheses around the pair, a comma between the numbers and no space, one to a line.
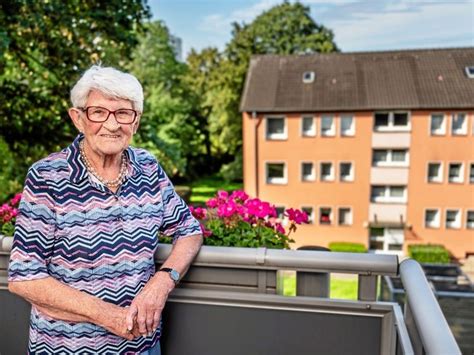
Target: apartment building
(377,147)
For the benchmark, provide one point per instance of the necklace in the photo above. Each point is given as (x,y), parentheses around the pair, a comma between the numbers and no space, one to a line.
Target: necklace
(109,183)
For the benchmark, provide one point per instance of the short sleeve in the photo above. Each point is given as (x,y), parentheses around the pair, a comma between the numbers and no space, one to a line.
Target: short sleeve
(178,222)
(34,230)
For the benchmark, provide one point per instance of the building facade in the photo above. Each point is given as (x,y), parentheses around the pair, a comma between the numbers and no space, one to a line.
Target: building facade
(377,147)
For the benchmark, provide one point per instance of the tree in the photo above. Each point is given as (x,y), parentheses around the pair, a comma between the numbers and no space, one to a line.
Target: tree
(169,127)
(284,29)
(44,46)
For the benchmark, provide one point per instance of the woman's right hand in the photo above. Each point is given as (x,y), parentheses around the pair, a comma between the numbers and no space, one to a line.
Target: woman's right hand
(114,320)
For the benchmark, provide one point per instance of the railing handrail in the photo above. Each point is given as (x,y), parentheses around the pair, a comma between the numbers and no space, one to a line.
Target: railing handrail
(430,322)
(300,260)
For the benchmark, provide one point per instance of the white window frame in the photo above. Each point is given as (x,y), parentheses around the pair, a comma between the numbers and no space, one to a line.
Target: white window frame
(311,216)
(469,226)
(437,223)
(276,136)
(442,131)
(313,131)
(313,175)
(463,131)
(333,173)
(391,127)
(276,181)
(352,130)
(352,173)
(461,173)
(332,131)
(457,223)
(386,198)
(389,161)
(331,215)
(439,178)
(351,218)
(468,74)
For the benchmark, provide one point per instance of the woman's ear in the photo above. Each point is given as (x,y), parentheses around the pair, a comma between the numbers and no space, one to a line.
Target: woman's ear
(75,114)
(136,124)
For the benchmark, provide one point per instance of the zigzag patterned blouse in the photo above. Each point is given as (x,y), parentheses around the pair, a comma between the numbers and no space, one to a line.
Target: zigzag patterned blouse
(74,229)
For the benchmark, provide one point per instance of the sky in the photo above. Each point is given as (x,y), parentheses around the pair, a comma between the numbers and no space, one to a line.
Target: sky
(369,25)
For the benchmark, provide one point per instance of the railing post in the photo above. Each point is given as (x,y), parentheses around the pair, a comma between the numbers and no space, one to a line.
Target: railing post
(314,284)
(367,288)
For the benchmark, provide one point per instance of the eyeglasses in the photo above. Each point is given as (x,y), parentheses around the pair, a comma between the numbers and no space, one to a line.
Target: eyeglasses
(101,114)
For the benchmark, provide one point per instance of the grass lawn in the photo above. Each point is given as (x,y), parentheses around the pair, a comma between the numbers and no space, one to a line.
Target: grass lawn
(206,187)
(342,288)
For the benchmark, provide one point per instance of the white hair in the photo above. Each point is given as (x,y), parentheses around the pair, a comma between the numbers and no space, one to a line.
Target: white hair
(109,81)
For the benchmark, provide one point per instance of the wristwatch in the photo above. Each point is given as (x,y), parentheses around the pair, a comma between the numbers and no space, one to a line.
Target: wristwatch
(174,275)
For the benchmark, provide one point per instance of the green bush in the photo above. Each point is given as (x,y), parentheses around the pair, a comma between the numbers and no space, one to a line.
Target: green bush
(429,253)
(347,247)
(9,185)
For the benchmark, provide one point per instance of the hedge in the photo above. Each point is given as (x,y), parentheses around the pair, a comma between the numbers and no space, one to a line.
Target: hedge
(347,247)
(429,253)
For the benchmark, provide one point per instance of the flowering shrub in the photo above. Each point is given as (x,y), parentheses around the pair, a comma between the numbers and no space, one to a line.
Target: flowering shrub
(237,220)
(8,213)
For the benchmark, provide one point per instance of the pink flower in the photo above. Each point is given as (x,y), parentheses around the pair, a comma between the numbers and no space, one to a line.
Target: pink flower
(222,195)
(205,232)
(15,200)
(296,216)
(14,212)
(200,213)
(239,195)
(279,228)
(259,208)
(212,202)
(227,209)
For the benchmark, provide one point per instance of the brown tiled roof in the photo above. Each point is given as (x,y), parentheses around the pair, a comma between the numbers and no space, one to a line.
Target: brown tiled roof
(408,79)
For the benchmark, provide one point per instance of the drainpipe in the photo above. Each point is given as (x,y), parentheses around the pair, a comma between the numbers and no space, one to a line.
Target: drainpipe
(257,124)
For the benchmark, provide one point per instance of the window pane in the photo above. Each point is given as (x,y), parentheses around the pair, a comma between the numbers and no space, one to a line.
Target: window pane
(395,246)
(431,216)
(376,232)
(376,245)
(400,119)
(345,170)
(276,170)
(347,124)
(399,155)
(325,216)
(452,218)
(380,156)
(326,171)
(280,212)
(344,216)
(397,191)
(471,173)
(470,219)
(308,126)
(458,123)
(308,171)
(454,172)
(327,125)
(381,120)
(377,191)
(437,122)
(434,170)
(275,126)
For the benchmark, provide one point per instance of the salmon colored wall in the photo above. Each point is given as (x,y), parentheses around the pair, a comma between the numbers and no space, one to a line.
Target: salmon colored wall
(421,194)
(334,194)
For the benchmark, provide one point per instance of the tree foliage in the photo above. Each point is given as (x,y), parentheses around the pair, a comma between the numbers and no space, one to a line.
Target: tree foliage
(44,46)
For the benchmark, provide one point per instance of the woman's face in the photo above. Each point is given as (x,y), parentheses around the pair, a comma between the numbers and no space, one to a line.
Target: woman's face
(107,138)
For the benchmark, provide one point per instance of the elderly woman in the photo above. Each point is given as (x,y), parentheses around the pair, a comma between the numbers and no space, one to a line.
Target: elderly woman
(88,229)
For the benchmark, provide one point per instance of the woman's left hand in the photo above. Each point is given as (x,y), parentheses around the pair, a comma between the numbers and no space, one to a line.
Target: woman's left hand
(145,310)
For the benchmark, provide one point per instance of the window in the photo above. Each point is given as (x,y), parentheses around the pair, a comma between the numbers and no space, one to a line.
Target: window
(308,127)
(307,172)
(280,212)
(344,216)
(431,218)
(470,220)
(435,172)
(458,124)
(327,173)
(390,157)
(455,172)
(276,128)
(470,71)
(276,173)
(346,172)
(308,77)
(453,219)
(310,213)
(437,124)
(392,194)
(327,126)
(325,215)
(391,121)
(471,173)
(347,125)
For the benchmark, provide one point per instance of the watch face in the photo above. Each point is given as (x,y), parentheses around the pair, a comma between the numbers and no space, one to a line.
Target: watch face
(174,275)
